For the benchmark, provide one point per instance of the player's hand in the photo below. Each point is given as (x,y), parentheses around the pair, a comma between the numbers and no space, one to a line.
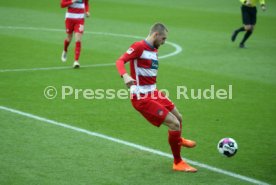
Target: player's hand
(87,14)
(248,3)
(263,8)
(128,80)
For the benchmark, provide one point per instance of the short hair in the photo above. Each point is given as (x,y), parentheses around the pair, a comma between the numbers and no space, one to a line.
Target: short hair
(158,27)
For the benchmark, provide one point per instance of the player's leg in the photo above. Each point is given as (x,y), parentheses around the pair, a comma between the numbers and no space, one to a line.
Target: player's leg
(249,27)
(68,40)
(66,45)
(173,120)
(77,49)
(69,31)
(248,33)
(157,115)
(244,14)
(184,142)
(79,28)
(236,32)
(177,114)
(174,138)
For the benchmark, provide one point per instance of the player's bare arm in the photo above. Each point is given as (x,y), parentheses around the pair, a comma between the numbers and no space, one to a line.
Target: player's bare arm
(87,13)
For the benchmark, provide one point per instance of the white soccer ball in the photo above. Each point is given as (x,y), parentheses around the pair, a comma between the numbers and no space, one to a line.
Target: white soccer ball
(227,147)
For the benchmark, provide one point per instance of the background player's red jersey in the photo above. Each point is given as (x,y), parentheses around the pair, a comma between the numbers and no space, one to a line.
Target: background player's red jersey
(75,10)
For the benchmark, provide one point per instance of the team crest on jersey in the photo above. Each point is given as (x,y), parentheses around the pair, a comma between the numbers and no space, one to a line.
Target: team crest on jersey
(130,50)
(160,112)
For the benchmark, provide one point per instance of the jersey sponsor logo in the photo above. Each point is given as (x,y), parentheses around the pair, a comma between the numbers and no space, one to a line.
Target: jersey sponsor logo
(154,64)
(130,50)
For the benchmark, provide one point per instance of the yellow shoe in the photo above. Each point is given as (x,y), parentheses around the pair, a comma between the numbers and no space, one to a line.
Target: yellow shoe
(187,143)
(183,166)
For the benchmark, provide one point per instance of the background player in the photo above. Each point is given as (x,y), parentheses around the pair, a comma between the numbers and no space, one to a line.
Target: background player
(77,10)
(249,18)
(146,99)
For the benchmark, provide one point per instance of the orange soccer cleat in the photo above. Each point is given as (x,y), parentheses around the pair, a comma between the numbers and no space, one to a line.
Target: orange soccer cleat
(187,143)
(183,166)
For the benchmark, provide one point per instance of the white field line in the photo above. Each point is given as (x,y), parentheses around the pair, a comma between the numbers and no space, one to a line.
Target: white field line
(136,146)
(178,48)
(55,68)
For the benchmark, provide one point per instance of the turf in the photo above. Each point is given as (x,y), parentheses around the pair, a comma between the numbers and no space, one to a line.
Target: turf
(33,152)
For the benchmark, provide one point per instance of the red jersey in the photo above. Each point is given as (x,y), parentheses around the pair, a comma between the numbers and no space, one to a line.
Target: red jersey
(75,10)
(143,65)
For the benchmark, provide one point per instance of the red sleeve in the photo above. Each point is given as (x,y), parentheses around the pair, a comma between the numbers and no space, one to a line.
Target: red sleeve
(65,3)
(86,5)
(132,53)
(120,64)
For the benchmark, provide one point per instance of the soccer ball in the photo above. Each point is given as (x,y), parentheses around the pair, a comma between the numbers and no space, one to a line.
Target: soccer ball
(227,147)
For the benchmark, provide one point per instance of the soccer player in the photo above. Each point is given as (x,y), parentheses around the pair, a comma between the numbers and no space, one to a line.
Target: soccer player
(149,101)
(77,10)
(249,18)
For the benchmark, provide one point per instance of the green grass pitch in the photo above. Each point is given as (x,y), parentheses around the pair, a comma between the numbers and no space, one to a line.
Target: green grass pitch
(33,152)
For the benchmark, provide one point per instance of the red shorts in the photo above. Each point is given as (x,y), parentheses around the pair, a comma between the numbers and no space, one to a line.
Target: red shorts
(74,25)
(154,106)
